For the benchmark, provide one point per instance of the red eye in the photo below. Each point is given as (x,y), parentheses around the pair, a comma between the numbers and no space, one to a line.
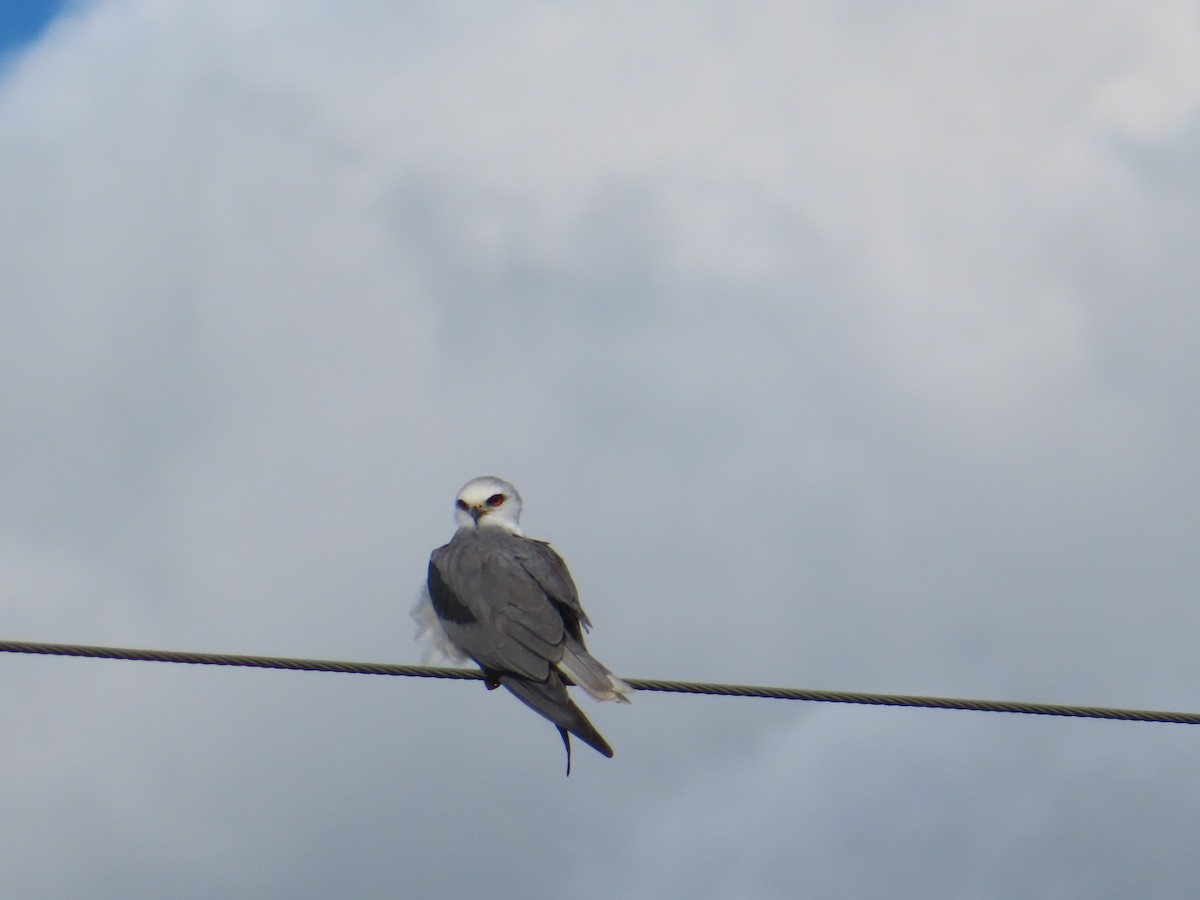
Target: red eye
(461,504)
(495,500)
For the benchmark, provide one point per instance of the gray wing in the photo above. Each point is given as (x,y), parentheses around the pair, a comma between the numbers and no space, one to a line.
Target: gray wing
(493,608)
(550,699)
(511,605)
(548,569)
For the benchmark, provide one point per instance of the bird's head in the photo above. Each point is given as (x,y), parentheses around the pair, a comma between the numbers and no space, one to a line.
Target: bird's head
(488,502)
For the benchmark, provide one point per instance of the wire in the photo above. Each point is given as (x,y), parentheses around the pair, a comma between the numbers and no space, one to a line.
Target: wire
(640,684)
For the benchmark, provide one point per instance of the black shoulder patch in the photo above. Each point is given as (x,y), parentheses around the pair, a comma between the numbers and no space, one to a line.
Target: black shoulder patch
(445,602)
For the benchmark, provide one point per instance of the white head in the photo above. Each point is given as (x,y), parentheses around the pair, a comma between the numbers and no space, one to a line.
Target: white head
(488,502)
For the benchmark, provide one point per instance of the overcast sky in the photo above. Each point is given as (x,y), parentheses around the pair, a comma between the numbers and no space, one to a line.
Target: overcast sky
(844,345)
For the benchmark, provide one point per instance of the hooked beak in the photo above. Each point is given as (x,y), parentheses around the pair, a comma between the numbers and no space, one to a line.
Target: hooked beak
(476,512)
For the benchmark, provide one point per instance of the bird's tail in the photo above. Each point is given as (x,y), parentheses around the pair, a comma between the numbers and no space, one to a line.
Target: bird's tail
(591,674)
(549,698)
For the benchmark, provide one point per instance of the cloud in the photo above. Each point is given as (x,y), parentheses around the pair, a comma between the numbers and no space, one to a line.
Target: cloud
(835,346)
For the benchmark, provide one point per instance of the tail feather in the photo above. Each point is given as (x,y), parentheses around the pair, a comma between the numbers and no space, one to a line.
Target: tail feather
(549,698)
(591,674)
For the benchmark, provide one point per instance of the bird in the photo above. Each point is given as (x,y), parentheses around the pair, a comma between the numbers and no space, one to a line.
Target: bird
(508,602)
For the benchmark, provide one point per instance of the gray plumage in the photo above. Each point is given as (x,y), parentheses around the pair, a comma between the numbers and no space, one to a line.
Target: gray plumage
(509,603)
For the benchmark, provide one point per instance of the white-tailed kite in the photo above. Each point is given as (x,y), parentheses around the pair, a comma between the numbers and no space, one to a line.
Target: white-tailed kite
(509,603)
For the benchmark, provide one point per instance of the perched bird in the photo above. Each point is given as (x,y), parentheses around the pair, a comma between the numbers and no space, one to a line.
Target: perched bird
(509,603)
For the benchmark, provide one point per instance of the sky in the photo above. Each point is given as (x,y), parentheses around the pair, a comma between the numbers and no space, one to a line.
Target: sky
(838,345)
(21,21)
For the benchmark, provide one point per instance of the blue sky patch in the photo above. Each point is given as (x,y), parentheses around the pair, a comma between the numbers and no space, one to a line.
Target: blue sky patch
(22,21)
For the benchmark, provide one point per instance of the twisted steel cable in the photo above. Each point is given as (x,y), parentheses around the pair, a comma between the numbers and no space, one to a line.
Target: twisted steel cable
(640,684)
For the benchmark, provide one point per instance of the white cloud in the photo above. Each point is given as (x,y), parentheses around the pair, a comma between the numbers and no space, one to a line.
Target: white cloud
(1153,92)
(839,345)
